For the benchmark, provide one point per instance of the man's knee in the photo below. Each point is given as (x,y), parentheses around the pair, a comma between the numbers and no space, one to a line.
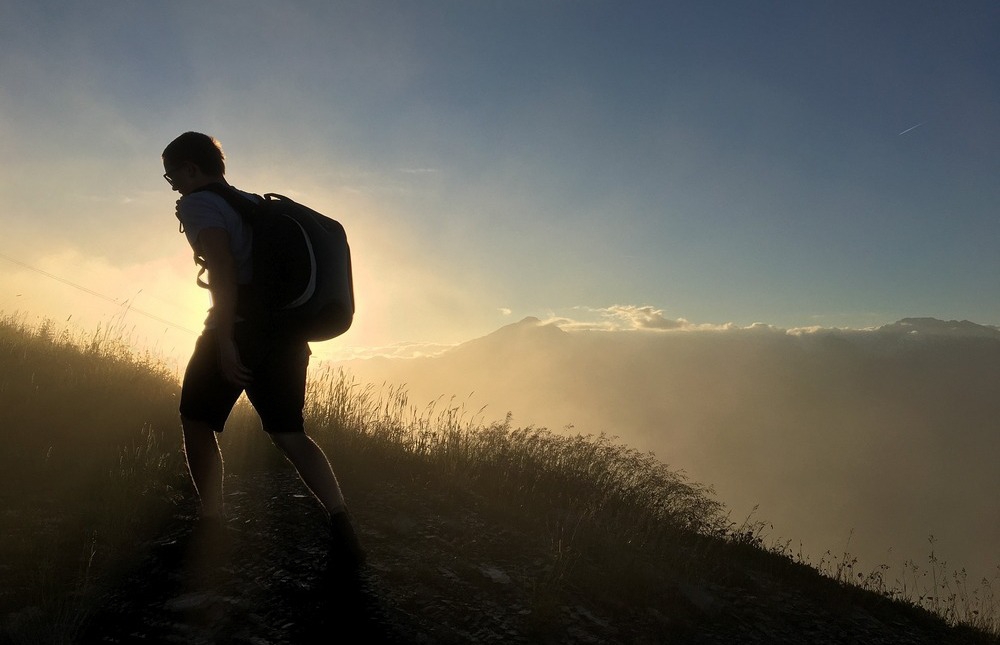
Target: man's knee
(285,440)
(293,444)
(195,427)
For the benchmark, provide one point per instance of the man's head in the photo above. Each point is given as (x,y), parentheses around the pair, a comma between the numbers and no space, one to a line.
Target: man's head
(193,160)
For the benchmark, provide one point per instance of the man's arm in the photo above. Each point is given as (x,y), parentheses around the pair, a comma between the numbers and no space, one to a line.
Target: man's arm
(214,246)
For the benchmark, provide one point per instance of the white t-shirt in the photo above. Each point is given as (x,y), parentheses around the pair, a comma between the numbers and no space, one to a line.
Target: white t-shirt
(204,209)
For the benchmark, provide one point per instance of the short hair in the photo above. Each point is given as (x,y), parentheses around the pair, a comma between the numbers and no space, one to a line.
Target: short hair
(200,149)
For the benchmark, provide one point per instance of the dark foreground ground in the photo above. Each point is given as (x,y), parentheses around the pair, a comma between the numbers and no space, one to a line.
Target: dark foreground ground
(444,570)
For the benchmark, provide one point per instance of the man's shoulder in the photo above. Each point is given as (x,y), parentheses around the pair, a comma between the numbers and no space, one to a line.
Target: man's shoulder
(200,200)
(205,205)
(202,210)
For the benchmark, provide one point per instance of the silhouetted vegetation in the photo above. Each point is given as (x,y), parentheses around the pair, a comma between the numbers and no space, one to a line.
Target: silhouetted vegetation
(92,465)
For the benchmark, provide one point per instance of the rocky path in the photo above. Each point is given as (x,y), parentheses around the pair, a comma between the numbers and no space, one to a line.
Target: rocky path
(438,573)
(260,580)
(443,569)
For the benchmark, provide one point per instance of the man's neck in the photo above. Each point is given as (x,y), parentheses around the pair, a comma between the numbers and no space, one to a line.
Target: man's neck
(207,181)
(199,182)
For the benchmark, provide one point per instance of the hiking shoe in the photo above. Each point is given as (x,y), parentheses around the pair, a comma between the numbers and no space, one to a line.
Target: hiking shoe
(345,553)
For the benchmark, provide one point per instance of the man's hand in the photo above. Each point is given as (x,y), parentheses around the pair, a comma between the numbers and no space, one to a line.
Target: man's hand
(232,367)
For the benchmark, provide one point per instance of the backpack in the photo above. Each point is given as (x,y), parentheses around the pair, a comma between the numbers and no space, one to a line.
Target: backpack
(302,280)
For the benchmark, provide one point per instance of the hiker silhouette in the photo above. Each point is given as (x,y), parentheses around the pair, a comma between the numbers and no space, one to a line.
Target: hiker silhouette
(242,350)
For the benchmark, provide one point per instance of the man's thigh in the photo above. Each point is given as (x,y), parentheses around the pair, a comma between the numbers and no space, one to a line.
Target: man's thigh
(278,386)
(206,395)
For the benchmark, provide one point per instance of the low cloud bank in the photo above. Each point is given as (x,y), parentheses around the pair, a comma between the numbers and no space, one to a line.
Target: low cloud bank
(626,318)
(870,440)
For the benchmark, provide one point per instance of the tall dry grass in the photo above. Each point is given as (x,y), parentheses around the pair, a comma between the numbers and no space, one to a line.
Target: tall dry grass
(618,484)
(93,464)
(85,423)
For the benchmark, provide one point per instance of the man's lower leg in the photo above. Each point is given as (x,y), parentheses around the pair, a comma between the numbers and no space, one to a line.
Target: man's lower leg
(313,467)
(204,460)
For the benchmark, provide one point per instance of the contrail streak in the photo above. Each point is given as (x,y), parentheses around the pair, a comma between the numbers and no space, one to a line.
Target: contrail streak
(911,128)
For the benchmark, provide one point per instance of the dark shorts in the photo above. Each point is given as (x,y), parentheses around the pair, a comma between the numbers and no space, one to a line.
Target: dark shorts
(277,391)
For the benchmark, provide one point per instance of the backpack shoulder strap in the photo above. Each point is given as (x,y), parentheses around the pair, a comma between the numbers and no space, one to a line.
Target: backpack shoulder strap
(247,208)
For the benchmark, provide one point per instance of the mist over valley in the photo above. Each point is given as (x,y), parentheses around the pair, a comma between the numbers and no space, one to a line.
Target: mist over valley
(868,441)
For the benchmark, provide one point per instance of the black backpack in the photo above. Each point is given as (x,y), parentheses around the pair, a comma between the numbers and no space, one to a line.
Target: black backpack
(302,280)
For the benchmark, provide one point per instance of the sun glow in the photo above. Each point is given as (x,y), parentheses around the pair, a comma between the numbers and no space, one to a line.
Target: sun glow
(150,305)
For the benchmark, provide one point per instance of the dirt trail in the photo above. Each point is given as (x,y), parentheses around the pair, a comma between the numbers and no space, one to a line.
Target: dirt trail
(261,580)
(438,573)
(444,568)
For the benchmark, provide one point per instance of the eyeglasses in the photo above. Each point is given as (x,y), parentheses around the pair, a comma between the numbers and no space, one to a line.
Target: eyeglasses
(167,174)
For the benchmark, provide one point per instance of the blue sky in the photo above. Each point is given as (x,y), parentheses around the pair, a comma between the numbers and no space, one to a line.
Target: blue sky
(718,161)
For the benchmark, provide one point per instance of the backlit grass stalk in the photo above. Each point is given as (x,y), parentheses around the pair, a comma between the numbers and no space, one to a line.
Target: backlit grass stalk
(576,471)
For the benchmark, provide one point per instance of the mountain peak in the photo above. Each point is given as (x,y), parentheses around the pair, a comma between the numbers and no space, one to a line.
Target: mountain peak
(936,327)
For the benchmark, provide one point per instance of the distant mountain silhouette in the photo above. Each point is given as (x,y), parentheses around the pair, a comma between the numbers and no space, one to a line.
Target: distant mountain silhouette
(933,326)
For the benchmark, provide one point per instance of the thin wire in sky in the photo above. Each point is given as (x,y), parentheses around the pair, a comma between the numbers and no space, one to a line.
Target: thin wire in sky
(96,294)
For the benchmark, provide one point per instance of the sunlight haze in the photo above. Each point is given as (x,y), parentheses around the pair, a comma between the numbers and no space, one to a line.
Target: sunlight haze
(866,441)
(732,163)
(782,182)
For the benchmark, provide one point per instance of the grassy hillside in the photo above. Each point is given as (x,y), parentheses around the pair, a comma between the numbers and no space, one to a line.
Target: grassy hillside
(599,542)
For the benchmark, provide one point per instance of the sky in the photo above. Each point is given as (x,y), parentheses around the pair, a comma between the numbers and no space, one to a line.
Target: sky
(793,163)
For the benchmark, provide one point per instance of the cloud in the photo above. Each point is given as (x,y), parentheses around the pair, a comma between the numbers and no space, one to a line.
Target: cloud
(505,311)
(613,318)
(645,317)
(642,318)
